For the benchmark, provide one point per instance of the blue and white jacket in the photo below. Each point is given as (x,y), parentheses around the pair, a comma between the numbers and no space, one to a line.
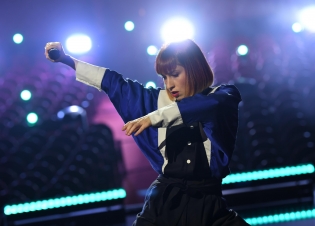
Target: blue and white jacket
(217,111)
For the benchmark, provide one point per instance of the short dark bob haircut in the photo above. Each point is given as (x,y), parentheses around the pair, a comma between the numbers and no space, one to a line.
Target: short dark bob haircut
(187,54)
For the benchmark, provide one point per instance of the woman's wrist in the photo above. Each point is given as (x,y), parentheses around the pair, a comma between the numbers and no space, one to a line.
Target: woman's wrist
(68,60)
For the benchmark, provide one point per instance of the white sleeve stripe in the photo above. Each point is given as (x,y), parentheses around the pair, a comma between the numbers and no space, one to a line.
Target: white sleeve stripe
(207,145)
(163,100)
(166,116)
(90,74)
(161,138)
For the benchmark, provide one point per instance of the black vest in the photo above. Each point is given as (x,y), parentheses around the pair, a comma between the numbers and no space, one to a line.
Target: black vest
(186,154)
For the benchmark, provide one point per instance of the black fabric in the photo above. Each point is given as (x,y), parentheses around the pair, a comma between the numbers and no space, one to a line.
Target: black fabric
(186,194)
(172,201)
(185,143)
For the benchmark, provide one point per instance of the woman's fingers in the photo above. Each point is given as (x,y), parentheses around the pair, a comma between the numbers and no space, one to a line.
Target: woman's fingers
(140,130)
(49,46)
(132,126)
(136,126)
(55,45)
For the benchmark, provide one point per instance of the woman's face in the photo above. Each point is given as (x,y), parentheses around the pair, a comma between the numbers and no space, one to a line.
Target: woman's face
(175,82)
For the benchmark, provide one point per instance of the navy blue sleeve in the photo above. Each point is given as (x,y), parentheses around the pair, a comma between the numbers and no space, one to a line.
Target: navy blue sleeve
(218,113)
(130,98)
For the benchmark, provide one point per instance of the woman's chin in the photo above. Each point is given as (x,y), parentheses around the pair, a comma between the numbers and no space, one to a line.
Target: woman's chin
(179,98)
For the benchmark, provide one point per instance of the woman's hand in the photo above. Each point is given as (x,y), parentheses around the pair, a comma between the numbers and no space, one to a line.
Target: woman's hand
(55,45)
(137,126)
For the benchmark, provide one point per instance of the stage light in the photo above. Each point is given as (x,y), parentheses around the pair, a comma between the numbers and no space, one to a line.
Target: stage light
(283,217)
(32,118)
(89,96)
(85,104)
(74,113)
(268,174)
(307,134)
(152,50)
(65,201)
(307,18)
(78,44)
(242,50)
(177,29)
(74,108)
(26,95)
(150,83)
(18,38)
(129,25)
(297,27)
(60,114)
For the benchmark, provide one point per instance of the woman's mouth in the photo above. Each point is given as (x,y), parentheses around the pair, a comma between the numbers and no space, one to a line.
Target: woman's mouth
(175,94)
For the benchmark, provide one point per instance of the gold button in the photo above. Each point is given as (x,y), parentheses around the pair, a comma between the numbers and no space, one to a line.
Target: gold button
(189,143)
(191,127)
(188,161)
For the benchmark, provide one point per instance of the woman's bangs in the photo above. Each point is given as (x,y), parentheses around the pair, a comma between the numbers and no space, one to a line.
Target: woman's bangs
(166,66)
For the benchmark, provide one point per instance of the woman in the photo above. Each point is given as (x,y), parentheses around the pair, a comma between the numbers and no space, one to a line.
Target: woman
(187,132)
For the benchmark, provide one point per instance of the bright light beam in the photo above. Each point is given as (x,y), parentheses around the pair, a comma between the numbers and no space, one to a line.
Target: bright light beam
(297,27)
(177,29)
(78,44)
(307,18)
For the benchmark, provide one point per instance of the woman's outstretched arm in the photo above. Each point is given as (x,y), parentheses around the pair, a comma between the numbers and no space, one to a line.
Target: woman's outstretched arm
(130,98)
(63,58)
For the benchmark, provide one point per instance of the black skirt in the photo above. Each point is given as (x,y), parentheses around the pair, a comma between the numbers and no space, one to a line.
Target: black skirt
(172,201)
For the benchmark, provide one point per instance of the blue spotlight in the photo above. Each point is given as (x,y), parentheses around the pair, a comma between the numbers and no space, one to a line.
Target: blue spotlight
(26,95)
(18,38)
(60,114)
(79,44)
(152,50)
(297,27)
(177,29)
(150,83)
(85,104)
(129,25)
(242,50)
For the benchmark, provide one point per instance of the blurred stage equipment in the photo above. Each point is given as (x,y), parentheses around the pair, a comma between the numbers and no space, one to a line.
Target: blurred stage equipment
(74,114)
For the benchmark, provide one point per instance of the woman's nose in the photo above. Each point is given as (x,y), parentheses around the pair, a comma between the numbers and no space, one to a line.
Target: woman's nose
(169,84)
